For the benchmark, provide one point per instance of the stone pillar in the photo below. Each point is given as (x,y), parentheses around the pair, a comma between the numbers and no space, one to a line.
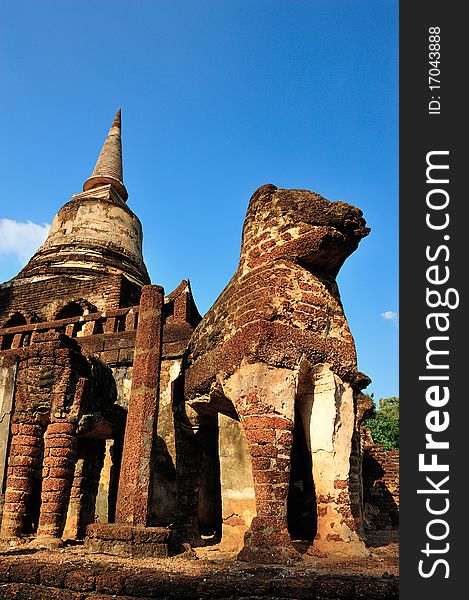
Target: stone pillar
(7,391)
(164,484)
(17,339)
(104,485)
(136,477)
(328,417)
(82,505)
(237,485)
(74,507)
(130,320)
(88,328)
(25,453)
(94,460)
(265,401)
(57,475)
(131,535)
(270,440)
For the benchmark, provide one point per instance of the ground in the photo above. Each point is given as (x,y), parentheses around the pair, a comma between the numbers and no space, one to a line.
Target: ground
(70,573)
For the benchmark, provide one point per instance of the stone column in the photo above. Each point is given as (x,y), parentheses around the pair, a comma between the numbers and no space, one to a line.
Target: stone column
(136,477)
(104,485)
(237,484)
(328,417)
(25,453)
(270,439)
(57,477)
(74,507)
(82,505)
(265,401)
(7,390)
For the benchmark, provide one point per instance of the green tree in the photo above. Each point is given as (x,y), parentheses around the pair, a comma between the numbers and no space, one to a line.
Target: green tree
(384,424)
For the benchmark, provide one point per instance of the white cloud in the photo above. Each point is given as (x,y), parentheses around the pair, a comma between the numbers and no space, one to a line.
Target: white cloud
(21,240)
(390,315)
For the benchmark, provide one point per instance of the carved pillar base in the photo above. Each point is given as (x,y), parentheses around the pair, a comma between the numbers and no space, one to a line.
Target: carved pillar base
(59,463)
(25,454)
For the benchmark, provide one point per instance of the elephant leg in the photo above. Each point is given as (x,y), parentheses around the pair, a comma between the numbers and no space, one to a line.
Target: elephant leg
(58,470)
(264,397)
(25,456)
(270,441)
(328,417)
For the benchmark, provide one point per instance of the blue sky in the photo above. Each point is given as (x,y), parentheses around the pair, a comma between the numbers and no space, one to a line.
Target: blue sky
(218,97)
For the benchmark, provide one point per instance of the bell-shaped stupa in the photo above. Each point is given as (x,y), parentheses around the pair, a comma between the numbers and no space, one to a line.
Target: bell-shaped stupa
(95,232)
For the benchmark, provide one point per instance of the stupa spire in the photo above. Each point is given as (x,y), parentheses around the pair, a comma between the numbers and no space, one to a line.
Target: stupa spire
(108,168)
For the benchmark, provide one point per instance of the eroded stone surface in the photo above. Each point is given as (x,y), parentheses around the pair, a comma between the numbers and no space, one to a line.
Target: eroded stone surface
(279,317)
(7,389)
(136,478)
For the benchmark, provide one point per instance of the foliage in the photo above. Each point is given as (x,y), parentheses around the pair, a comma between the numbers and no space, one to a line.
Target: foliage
(384,424)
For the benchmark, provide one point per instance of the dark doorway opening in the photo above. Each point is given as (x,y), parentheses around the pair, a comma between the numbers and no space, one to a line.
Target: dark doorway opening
(301,502)
(33,505)
(15,321)
(72,309)
(210,509)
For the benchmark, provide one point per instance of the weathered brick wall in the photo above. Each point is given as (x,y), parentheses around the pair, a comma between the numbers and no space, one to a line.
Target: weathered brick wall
(113,349)
(109,336)
(283,301)
(381,487)
(81,327)
(46,298)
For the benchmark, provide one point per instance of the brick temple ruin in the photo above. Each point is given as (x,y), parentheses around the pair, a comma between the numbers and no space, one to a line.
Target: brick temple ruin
(132,423)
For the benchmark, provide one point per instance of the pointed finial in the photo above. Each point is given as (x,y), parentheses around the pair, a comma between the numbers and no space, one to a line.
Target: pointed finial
(117,119)
(108,168)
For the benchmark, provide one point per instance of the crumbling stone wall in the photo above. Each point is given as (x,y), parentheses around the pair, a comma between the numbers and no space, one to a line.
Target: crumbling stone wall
(45,463)
(43,299)
(106,342)
(381,487)
(50,390)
